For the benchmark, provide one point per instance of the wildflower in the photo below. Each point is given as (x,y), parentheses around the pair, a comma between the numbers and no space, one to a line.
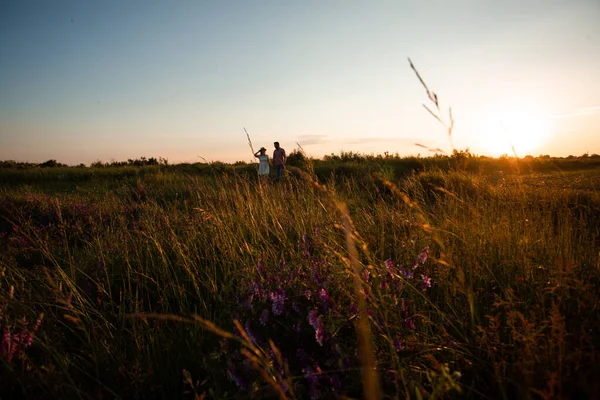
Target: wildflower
(307,293)
(389,265)
(324,296)
(426,282)
(409,323)
(421,258)
(313,319)
(313,381)
(407,273)
(282,263)
(320,336)
(316,277)
(23,335)
(278,299)
(6,342)
(317,323)
(353,309)
(366,274)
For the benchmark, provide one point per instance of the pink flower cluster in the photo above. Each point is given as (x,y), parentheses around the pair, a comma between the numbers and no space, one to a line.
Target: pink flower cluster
(16,341)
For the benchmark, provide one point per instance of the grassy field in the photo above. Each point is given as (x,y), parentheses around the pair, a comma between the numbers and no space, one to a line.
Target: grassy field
(440,277)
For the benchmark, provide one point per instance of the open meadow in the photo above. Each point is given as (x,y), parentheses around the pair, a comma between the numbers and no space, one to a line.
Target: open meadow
(440,277)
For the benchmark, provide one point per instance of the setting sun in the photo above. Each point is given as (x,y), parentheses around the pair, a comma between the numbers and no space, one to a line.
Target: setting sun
(513,130)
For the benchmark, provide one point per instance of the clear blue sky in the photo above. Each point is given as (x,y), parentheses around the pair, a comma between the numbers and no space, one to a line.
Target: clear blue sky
(110,80)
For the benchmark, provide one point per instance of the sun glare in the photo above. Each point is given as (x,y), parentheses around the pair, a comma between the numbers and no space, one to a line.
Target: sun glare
(513,130)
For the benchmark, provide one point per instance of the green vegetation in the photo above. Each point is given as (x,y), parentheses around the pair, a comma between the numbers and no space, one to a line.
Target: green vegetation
(478,277)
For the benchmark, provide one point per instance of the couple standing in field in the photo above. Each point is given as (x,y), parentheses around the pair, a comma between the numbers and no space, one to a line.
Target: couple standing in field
(279,159)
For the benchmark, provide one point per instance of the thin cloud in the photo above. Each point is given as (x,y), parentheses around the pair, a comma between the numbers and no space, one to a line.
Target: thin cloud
(307,140)
(588,110)
(581,112)
(378,140)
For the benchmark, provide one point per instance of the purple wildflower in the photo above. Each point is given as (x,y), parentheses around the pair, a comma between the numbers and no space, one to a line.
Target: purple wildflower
(407,273)
(319,326)
(421,258)
(324,296)
(320,336)
(313,318)
(313,381)
(6,342)
(307,293)
(278,299)
(24,330)
(282,263)
(316,277)
(389,265)
(426,282)
(353,309)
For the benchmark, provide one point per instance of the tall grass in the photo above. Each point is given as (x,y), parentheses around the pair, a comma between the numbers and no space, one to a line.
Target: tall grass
(504,287)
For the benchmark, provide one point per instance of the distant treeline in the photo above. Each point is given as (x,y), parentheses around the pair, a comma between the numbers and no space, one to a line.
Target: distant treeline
(139,162)
(461,159)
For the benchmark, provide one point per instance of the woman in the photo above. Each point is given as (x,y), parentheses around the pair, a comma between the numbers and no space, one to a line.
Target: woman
(263,166)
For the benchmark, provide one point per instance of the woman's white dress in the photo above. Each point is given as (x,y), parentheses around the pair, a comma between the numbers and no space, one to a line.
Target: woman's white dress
(263,166)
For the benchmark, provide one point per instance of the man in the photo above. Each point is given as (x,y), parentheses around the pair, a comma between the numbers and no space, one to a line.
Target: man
(279,160)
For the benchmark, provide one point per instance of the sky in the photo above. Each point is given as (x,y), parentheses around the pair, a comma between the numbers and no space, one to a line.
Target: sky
(82,81)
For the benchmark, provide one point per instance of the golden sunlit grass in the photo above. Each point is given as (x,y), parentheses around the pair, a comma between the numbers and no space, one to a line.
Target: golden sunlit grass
(514,270)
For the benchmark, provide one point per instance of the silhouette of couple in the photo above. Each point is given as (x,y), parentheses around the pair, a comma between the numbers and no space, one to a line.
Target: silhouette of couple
(279,159)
